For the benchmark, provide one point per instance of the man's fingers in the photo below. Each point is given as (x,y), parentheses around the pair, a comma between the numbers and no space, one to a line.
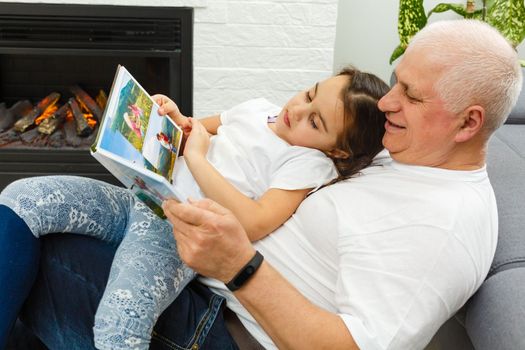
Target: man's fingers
(181,230)
(210,205)
(187,214)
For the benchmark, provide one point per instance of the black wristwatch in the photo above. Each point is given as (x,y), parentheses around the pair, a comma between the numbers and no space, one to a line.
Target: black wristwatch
(246,272)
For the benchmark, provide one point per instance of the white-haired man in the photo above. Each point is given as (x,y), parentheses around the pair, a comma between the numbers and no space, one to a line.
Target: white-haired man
(408,242)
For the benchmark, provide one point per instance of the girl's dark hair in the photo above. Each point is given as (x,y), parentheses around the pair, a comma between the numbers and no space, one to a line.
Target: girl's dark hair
(364,123)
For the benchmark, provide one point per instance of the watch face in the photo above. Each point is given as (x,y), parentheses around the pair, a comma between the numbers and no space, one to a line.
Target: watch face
(246,272)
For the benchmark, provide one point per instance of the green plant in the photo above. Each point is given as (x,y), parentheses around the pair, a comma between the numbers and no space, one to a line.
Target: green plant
(508,16)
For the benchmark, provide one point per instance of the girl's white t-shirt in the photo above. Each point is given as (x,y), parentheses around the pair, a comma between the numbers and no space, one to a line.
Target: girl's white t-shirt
(254,159)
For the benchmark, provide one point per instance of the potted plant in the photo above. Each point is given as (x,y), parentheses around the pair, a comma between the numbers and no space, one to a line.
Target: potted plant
(508,16)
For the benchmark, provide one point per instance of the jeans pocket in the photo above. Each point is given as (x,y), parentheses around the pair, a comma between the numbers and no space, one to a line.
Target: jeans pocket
(191,332)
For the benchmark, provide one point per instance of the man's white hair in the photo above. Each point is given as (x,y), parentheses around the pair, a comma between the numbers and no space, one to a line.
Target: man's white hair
(480,67)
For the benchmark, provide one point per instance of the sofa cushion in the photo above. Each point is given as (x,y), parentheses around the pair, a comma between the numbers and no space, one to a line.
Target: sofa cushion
(506,168)
(495,315)
(517,115)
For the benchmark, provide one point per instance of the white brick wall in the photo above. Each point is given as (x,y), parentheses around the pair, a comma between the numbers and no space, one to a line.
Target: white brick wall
(252,48)
(260,48)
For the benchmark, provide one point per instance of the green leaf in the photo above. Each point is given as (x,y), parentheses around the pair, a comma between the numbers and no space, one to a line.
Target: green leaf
(442,7)
(508,16)
(522,62)
(410,20)
(457,8)
(399,50)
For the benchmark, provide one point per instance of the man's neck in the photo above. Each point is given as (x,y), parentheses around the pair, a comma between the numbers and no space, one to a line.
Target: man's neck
(463,157)
(466,156)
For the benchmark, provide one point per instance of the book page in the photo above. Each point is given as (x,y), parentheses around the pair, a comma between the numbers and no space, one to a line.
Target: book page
(142,145)
(134,130)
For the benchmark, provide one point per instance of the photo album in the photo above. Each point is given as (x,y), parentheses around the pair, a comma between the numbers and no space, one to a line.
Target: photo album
(137,145)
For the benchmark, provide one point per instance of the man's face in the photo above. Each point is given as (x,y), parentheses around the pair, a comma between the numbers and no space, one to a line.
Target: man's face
(419,130)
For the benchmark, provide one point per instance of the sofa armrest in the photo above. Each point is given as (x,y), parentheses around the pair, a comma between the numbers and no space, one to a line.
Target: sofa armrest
(496,313)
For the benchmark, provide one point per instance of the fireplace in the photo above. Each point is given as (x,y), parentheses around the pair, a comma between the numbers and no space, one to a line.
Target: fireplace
(46,48)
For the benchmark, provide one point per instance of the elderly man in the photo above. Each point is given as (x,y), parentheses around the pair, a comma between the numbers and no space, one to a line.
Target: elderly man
(379,261)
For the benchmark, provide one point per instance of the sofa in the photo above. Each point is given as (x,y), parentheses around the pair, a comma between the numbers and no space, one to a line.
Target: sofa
(493,318)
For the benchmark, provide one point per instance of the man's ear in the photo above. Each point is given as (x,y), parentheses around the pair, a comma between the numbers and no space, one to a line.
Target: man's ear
(338,153)
(473,119)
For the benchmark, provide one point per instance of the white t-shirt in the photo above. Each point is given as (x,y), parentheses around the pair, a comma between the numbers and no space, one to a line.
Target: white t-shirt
(395,253)
(254,159)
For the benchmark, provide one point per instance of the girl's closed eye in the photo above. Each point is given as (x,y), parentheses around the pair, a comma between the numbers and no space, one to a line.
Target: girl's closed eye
(307,96)
(312,122)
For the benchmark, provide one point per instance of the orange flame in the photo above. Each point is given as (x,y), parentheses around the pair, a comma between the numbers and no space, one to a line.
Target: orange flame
(91,121)
(48,112)
(69,114)
(101,99)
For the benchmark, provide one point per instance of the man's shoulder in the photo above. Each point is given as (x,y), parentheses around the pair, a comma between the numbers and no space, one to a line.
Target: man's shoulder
(385,194)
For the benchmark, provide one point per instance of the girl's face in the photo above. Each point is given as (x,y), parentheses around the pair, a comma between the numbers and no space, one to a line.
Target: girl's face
(314,118)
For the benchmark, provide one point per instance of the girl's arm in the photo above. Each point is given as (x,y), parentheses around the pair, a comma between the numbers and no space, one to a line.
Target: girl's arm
(211,124)
(258,217)
(167,106)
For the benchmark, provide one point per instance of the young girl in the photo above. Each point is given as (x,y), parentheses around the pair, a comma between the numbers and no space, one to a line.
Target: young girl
(259,166)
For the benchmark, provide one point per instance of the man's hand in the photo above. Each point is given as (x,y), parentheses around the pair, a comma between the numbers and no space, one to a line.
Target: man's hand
(209,238)
(211,241)
(167,106)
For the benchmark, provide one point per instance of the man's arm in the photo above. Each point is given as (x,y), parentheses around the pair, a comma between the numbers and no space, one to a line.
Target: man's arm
(288,317)
(212,242)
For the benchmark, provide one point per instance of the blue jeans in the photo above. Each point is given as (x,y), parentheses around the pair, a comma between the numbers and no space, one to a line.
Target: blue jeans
(19,256)
(73,273)
(72,277)
(146,275)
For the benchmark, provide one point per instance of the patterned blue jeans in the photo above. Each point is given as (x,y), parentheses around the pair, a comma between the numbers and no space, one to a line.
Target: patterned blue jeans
(147,273)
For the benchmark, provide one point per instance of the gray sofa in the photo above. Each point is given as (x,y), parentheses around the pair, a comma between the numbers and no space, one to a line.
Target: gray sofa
(494,318)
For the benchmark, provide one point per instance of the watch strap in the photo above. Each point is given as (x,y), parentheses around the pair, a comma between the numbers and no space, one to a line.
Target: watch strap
(246,272)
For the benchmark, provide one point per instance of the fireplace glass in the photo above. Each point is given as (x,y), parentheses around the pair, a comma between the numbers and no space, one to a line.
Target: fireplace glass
(50,48)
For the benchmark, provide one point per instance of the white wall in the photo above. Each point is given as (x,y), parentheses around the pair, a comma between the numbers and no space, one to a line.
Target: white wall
(260,48)
(252,48)
(366,34)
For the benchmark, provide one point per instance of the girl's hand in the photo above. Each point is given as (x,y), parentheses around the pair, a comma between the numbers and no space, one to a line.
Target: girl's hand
(167,106)
(198,142)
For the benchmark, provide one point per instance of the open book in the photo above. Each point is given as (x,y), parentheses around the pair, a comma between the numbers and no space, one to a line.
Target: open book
(136,145)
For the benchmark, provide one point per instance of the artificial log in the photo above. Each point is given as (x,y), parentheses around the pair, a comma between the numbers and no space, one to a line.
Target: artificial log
(102,99)
(56,139)
(70,132)
(3,114)
(33,137)
(51,124)
(88,141)
(86,101)
(83,128)
(10,115)
(28,119)
(8,137)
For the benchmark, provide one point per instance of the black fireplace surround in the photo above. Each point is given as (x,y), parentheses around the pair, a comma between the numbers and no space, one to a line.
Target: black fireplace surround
(49,47)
